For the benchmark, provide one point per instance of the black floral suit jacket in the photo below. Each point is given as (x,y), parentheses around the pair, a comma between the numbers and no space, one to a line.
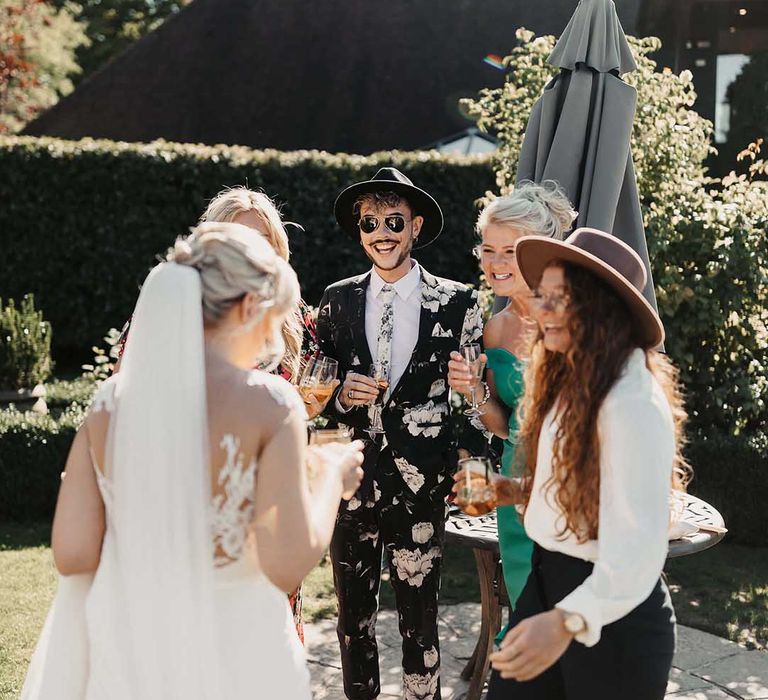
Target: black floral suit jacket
(420,437)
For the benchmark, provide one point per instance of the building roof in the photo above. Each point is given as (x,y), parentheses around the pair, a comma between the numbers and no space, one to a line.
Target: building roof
(471,141)
(336,75)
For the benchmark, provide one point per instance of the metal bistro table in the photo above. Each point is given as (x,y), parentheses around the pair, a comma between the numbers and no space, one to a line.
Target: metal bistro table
(481,535)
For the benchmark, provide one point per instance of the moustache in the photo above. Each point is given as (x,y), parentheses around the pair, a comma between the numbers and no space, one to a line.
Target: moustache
(385,240)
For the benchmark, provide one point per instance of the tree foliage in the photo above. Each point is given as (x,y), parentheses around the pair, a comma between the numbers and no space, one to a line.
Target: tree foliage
(37,57)
(25,345)
(113,25)
(706,237)
(748,99)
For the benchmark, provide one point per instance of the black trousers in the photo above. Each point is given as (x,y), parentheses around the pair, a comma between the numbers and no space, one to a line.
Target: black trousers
(631,661)
(412,531)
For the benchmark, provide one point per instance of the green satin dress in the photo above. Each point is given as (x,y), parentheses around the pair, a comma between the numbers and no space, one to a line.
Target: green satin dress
(514,545)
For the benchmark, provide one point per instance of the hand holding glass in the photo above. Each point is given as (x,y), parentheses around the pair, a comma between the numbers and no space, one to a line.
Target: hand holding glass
(325,436)
(382,382)
(317,378)
(332,450)
(472,354)
(475,494)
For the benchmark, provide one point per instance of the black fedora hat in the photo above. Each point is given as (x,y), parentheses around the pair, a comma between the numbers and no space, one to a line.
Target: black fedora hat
(391,180)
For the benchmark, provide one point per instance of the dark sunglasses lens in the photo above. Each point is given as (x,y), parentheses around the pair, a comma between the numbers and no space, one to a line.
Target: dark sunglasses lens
(395,223)
(368,224)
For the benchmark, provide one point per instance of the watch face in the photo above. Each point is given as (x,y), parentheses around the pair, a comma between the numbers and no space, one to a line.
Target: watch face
(574,623)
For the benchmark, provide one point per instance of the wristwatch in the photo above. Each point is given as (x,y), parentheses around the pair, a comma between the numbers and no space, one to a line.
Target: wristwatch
(574,623)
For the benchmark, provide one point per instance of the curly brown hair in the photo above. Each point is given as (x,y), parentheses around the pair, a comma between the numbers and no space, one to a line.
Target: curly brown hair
(602,339)
(379,200)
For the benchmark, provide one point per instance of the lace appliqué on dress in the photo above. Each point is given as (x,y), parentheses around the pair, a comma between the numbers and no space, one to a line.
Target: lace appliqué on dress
(232,510)
(104,398)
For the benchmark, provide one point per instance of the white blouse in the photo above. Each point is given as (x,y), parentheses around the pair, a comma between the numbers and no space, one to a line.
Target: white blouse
(637,448)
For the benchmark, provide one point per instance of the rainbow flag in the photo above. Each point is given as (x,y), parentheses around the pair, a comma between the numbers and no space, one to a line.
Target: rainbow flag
(494,61)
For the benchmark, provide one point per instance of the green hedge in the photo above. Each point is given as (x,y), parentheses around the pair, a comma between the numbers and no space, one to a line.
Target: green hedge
(82,222)
(729,473)
(33,452)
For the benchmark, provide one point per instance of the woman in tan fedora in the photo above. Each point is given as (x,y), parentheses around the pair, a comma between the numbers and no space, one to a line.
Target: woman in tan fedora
(600,440)
(532,209)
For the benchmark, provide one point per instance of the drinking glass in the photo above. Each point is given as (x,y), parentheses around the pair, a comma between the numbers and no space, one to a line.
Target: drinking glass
(382,382)
(323,436)
(475,495)
(326,436)
(317,378)
(472,355)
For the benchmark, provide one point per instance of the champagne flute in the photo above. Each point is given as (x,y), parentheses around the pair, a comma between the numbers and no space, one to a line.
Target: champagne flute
(471,354)
(317,378)
(382,382)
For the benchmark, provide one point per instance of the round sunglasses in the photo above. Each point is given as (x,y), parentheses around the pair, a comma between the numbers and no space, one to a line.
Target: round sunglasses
(557,303)
(370,224)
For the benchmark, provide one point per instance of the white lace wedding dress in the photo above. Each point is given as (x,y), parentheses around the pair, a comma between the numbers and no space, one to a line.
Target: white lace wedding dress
(259,653)
(179,607)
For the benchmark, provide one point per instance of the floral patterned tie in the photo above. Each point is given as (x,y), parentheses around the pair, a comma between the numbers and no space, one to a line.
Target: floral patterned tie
(384,348)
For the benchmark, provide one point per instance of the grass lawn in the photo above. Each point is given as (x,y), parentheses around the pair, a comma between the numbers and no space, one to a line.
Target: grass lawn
(723,591)
(27,583)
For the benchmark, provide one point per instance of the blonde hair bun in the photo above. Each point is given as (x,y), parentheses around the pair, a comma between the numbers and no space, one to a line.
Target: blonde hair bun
(233,261)
(538,209)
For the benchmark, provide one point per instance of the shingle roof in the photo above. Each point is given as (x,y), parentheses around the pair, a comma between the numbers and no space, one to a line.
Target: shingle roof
(340,75)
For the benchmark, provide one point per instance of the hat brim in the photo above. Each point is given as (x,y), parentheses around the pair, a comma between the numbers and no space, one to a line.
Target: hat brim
(535,254)
(423,204)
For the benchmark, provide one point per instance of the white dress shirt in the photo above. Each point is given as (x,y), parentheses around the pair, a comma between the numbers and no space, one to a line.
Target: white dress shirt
(406,308)
(637,449)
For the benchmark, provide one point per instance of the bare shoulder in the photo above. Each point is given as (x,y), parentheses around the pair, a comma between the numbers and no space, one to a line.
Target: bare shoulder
(493,331)
(272,390)
(503,329)
(252,405)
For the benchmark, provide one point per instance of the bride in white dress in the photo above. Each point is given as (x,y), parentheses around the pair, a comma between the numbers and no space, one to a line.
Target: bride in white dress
(185,514)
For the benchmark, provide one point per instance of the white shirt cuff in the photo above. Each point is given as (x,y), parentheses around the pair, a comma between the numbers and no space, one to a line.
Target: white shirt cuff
(582,602)
(341,408)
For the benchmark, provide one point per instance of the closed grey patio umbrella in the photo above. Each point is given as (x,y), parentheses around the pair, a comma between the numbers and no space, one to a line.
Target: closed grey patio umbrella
(579,130)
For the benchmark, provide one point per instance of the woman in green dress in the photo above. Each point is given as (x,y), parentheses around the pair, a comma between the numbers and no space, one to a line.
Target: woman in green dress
(530,209)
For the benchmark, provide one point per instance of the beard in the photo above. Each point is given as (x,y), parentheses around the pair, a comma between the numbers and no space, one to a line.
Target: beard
(406,246)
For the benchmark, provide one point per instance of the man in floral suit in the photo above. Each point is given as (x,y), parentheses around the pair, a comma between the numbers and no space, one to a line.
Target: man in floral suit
(406,321)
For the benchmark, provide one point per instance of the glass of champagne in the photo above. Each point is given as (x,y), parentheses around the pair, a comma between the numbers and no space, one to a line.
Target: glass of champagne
(475,495)
(472,355)
(382,382)
(317,378)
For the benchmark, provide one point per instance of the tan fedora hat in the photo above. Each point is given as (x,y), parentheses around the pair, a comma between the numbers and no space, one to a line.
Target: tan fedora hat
(605,256)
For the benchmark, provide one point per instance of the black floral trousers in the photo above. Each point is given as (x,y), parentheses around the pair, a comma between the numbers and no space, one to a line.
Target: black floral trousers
(411,530)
